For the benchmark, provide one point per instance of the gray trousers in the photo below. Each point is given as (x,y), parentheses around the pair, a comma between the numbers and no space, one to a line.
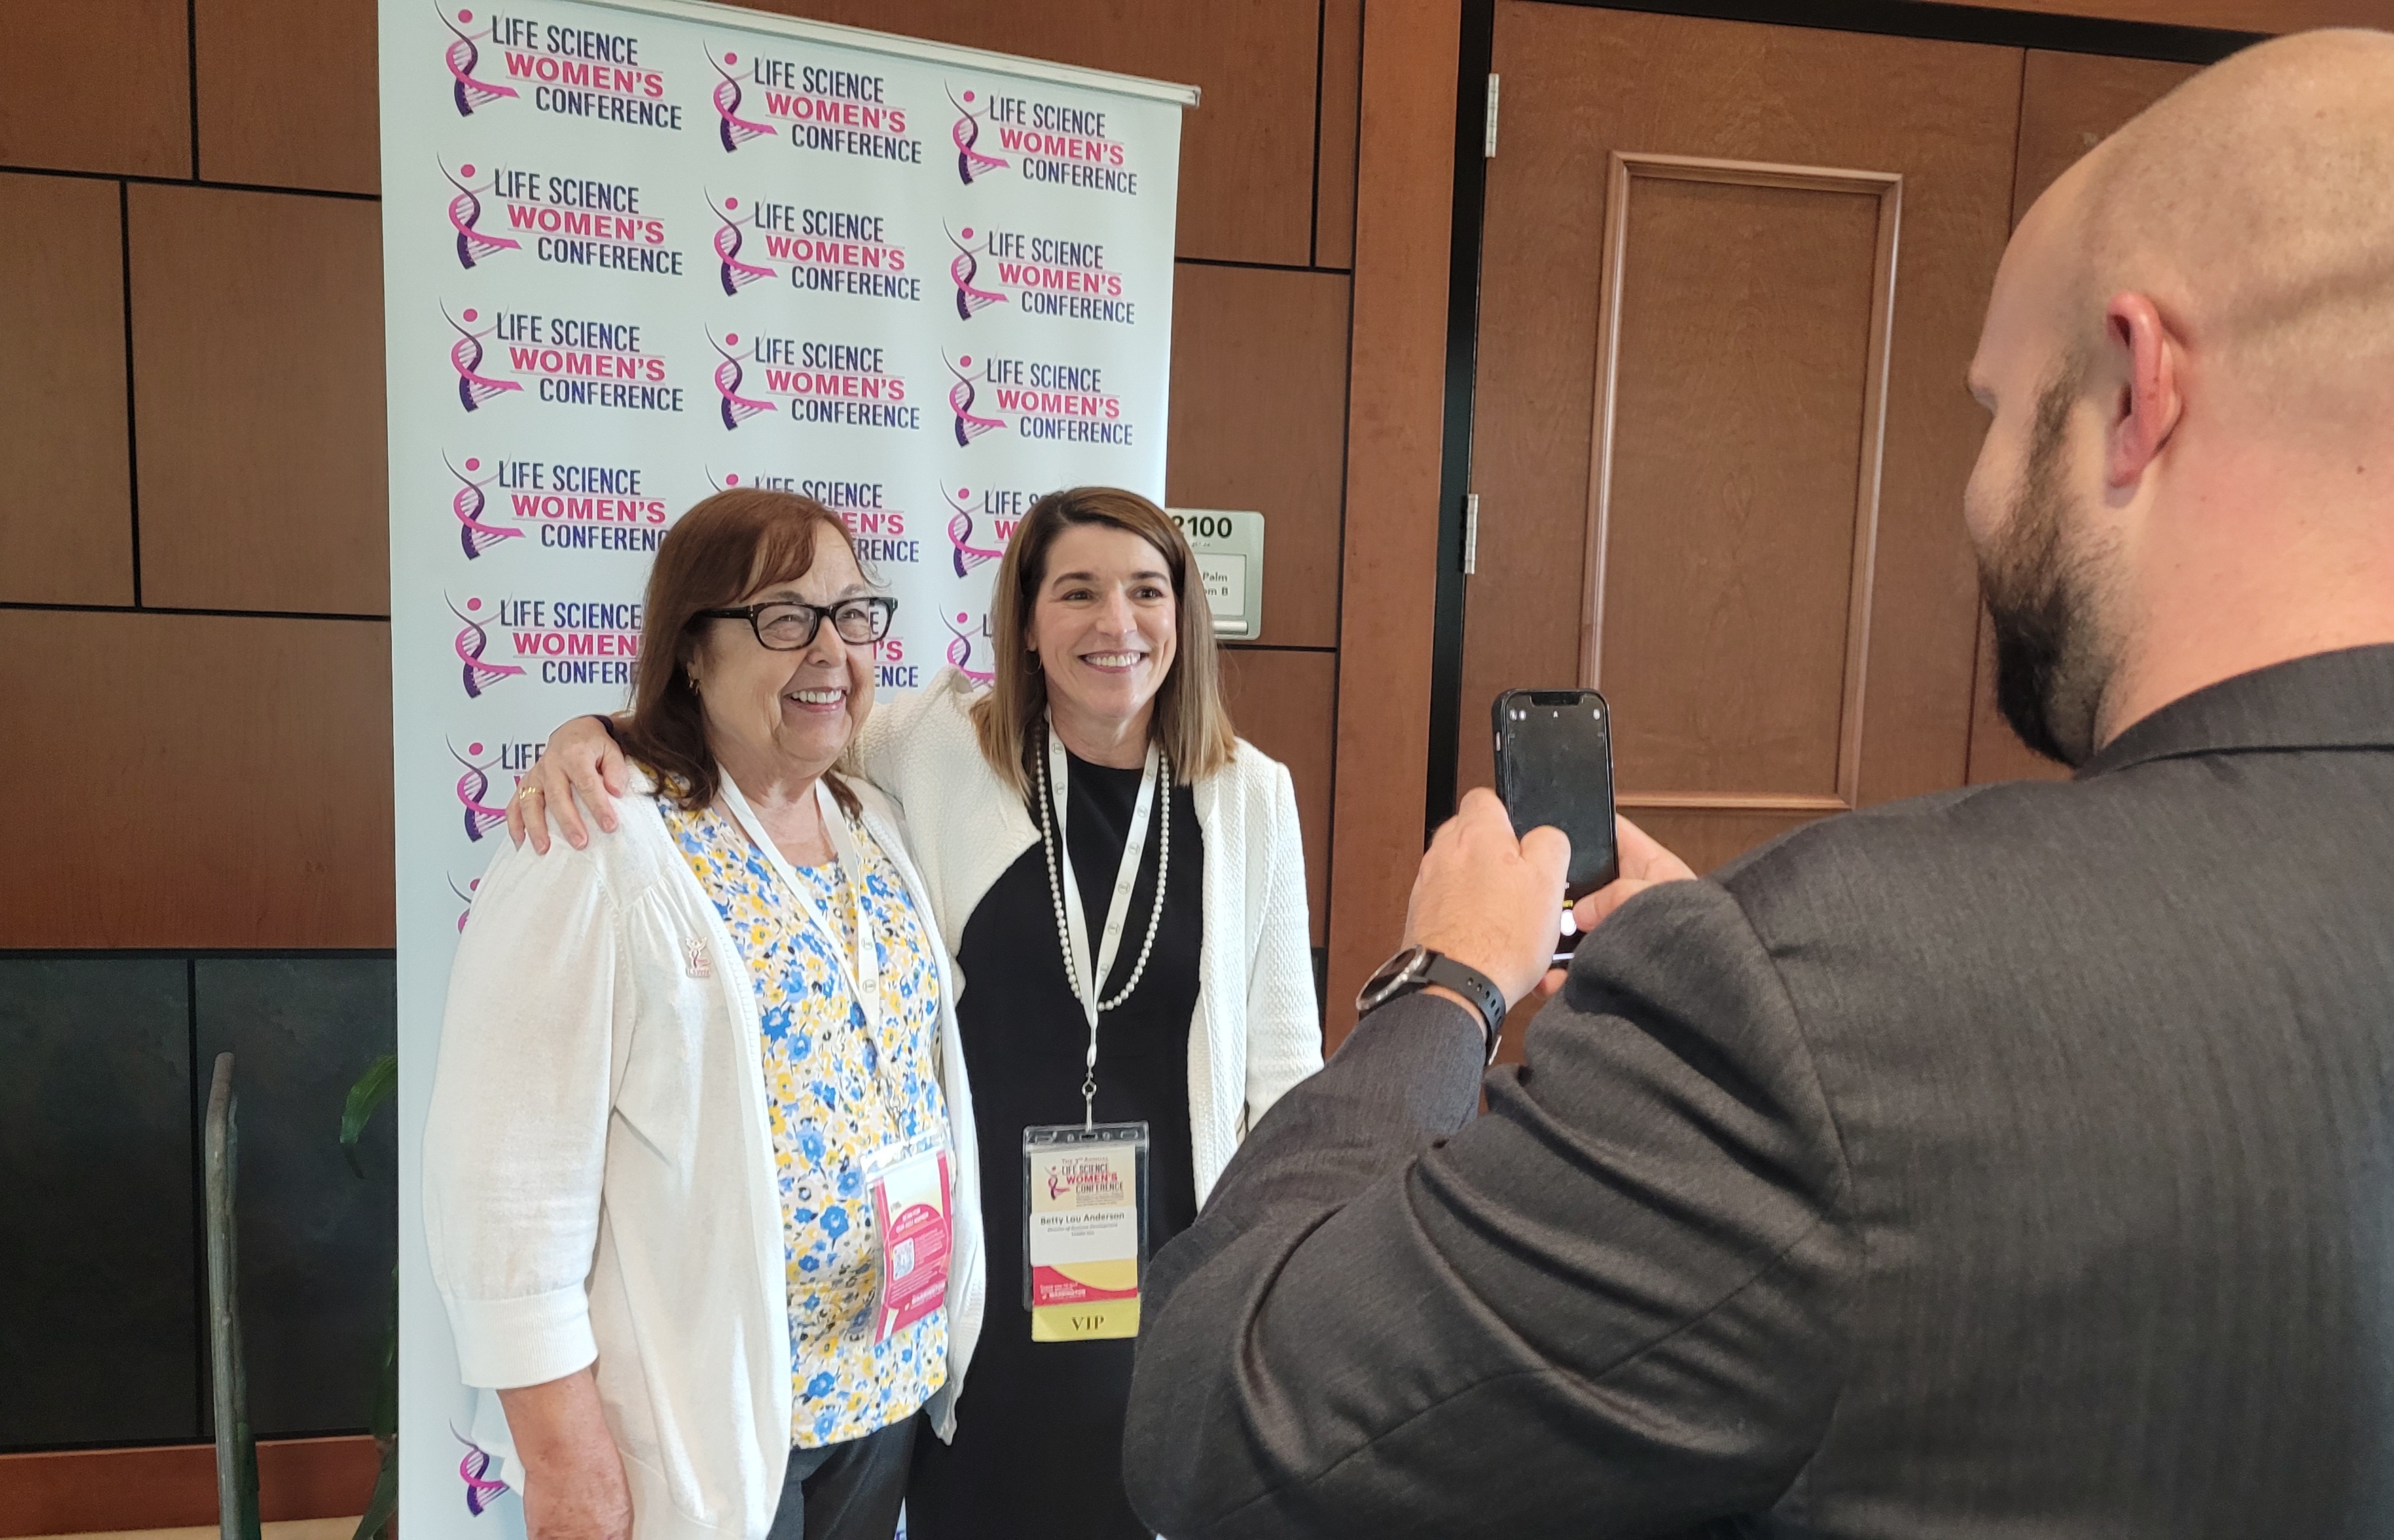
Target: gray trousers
(850,1491)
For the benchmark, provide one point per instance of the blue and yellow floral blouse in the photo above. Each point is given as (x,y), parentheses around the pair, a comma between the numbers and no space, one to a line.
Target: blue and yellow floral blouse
(836,1098)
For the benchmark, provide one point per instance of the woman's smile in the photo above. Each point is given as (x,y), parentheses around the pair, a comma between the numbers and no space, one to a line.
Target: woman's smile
(828,699)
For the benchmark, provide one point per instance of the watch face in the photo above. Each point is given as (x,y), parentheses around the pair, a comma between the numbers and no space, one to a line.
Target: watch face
(1397,970)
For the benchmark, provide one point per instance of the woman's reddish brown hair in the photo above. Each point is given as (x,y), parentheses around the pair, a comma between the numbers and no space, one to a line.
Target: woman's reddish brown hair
(723,549)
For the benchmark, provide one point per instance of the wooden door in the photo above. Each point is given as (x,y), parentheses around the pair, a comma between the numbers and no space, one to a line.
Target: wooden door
(1732,278)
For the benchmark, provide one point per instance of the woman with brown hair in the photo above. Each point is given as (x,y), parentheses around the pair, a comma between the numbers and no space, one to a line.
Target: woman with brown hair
(699,1169)
(1121,881)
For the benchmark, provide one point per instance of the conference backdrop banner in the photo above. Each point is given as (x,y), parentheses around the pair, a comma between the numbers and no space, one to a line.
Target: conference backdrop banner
(635,253)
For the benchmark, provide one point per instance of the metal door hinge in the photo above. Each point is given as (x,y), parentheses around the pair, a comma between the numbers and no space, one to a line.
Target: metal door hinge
(1488,151)
(1470,533)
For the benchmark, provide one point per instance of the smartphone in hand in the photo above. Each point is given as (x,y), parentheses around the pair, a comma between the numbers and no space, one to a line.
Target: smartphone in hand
(1554,766)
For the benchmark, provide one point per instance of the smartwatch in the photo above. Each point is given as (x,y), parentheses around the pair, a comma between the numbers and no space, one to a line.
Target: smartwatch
(1416,968)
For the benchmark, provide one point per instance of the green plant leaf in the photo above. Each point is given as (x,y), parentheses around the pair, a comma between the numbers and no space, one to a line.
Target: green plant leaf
(384,1503)
(372,1089)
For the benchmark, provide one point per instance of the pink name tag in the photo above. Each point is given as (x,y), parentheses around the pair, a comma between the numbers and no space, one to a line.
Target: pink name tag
(909,1206)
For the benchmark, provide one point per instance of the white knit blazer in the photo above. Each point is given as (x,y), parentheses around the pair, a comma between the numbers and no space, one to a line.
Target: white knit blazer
(1256,1030)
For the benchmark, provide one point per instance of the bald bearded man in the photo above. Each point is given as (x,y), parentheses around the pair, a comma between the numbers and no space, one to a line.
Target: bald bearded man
(2014,1162)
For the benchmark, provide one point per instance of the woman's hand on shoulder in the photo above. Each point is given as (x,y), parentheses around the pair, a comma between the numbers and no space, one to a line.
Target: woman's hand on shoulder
(581,761)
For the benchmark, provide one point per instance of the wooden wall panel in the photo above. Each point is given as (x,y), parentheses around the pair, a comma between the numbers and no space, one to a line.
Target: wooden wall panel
(287,93)
(2243,16)
(261,412)
(1581,83)
(66,514)
(1727,573)
(2069,103)
(96,85)
(1284,704)
(173,1486)
(1259,421)
(1404,203)
(232,783)
(1342,89)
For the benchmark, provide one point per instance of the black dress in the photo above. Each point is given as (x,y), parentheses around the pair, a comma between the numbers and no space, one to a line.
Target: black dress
(1039,1426)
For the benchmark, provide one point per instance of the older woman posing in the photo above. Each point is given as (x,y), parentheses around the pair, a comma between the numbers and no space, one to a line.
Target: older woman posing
(1122,883)
(700,1171)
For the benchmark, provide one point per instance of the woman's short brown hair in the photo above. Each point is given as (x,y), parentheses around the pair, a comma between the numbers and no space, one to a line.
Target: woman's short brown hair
(1191,720)
(723,549)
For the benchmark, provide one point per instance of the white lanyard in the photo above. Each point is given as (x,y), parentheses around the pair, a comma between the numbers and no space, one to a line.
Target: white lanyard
(1087,977)
(862,974)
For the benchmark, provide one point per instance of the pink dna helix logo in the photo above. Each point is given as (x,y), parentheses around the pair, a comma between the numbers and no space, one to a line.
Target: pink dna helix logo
(464,912)
(737,408)
(970,163)
(961,396)
(964,270)
(472,533)
(470,644)
(465,211)
(731,127)
(728,242)
(465,357)
(461,57)
(966,554)
(960,649)
(481,817)
(482,1488)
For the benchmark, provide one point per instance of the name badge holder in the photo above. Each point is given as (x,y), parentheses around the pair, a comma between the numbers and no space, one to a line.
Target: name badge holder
(910,1183)
(1083,1229)
(1084,1185)
(911,1187)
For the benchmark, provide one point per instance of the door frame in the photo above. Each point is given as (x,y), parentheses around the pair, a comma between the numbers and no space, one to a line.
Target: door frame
(1923,19)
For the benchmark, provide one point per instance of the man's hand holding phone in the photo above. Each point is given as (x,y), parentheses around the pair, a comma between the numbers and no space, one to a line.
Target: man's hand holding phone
(1488,899)
(1644,864)
(1493,901)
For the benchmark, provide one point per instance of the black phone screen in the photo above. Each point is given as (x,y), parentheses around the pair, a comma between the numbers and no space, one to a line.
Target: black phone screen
(1554,766)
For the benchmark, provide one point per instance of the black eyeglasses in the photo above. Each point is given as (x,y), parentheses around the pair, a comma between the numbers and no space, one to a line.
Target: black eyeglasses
(786,625)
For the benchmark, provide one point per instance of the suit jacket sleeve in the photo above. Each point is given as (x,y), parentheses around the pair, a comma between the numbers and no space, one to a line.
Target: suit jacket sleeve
(1608,1305)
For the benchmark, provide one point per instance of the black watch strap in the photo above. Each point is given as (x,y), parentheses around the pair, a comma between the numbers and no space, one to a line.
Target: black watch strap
(1416,968)
(1474,986)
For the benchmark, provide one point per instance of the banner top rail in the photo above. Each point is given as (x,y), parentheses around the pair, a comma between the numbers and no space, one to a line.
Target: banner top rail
(709,12)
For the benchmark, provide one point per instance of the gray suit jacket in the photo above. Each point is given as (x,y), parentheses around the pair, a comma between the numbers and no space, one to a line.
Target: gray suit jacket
(2013,1161)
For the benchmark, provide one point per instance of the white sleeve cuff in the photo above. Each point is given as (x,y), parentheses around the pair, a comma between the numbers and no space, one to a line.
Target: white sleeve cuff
(507,1344)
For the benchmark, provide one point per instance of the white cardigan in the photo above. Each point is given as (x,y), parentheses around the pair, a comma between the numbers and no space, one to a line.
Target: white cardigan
(599,1175)
(1256,1030)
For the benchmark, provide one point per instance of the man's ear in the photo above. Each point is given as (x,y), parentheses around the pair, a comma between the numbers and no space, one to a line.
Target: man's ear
(2140,422)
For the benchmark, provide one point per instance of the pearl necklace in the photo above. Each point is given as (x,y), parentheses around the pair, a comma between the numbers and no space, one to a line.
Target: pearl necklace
(1155,913)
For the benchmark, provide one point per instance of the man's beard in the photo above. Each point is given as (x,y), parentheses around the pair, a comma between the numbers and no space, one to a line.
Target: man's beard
(2053,659)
